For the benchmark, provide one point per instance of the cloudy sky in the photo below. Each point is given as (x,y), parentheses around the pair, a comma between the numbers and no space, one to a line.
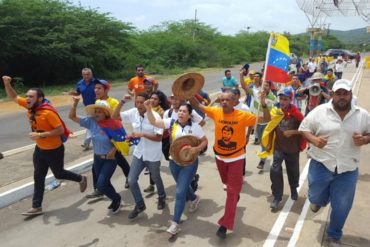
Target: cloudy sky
(227,16)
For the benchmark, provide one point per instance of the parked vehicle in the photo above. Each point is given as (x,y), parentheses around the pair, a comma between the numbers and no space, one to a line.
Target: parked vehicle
(339,52)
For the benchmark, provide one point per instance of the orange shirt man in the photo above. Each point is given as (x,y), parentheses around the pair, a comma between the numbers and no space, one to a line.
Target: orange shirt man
(47,130)
(229,148)
(136,84)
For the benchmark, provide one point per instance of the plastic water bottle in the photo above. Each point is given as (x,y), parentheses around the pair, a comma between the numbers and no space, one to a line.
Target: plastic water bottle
(52,185)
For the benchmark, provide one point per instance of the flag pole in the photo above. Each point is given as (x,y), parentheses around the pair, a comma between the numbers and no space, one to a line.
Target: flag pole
(263,78)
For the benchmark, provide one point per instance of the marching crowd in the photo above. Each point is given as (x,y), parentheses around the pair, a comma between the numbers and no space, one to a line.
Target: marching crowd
(315,110)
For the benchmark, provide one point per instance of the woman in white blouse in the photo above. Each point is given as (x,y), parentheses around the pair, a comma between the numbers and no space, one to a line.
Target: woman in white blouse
(183,175)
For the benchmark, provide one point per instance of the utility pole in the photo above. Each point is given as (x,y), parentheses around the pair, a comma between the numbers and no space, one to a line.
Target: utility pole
(195,24)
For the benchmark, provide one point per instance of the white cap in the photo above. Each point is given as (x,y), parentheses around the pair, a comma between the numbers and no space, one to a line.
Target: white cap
(342,84)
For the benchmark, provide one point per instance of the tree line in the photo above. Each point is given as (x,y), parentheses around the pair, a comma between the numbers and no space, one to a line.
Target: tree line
(48,42)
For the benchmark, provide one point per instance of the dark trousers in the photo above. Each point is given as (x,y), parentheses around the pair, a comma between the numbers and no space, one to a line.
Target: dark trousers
(276,172)
(338,75)
(42,160)
(121,162)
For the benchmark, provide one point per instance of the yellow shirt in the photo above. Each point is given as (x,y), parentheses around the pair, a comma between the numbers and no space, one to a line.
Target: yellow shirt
(112,102)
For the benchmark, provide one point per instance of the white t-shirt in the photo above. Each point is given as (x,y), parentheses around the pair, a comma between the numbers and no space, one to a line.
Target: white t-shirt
(193,129)
(339,67)
(148,149)
(311,67)
(242,107)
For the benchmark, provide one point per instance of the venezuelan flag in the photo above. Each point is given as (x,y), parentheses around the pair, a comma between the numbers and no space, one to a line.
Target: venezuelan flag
(278,59)
(116,133)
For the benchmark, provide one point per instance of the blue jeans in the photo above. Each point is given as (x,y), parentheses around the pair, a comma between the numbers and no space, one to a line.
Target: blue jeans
(137,167)
(104,170)
(183,176)
(338,189)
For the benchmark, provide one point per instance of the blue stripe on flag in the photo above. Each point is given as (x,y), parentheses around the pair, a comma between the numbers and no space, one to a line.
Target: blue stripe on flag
(279,60)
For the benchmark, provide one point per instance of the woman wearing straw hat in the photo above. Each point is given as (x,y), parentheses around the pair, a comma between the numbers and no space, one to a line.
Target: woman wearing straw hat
(99,122)
(187,141)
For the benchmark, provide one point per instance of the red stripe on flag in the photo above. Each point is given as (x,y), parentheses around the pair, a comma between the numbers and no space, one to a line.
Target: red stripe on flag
(276,75)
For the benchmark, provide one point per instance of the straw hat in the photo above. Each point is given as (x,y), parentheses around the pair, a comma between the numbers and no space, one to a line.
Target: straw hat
(317,76)
(187,85)
(179,150)
(101,104)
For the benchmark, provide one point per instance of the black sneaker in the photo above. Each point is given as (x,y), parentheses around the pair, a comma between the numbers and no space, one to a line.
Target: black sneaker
(221,232)
(95,194)
(161,203)
(274,204)
(194,182)
(137,210)
(115,206)
(260,165)
(294,194)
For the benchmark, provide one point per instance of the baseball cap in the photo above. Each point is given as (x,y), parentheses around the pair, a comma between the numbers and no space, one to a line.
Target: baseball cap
(104,83)
(148,81)
(246,66)
(287,92)
(342,84)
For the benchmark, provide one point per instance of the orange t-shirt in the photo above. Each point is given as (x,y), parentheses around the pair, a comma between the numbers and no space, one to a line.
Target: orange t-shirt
(230,131)
(137,84)
(45,121)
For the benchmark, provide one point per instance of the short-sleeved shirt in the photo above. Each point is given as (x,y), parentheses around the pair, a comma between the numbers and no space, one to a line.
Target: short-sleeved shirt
(340,152)
(287,144)
(192,128)
(230,136)
(248,81)
(112,102)
(87,91)
(270,100)
(147,149)
(329,80)
(101,142)
(230,82)
(45,120)
(137,84)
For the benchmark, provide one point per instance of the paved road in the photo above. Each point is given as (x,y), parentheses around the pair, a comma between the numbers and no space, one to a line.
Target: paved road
(14,128)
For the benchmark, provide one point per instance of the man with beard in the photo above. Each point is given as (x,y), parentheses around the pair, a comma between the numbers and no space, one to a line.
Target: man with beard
(48,131)
(336,130)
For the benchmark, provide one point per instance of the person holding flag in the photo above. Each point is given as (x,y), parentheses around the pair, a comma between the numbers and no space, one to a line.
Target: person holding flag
(282,139)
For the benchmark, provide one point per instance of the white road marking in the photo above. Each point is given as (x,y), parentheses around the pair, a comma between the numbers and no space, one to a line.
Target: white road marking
(276,229)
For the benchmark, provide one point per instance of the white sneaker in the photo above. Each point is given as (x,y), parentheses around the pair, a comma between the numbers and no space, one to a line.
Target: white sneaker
(173,229)
(194,205)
